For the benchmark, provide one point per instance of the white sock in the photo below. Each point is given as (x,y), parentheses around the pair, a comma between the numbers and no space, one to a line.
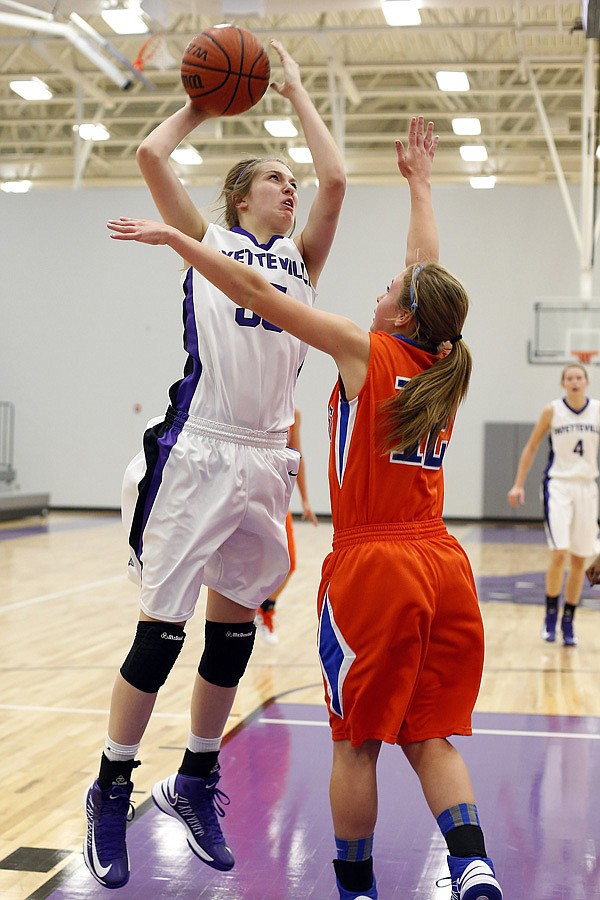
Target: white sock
(203,745)
(119,752)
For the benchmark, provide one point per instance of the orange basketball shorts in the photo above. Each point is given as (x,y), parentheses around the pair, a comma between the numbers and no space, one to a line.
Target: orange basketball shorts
(400,634)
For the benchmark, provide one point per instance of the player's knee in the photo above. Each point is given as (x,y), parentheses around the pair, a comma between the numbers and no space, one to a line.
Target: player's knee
(227,649)
(153,654)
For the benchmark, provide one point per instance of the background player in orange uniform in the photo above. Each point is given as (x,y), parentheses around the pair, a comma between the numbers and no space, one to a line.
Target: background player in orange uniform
(266,611)
(400,632)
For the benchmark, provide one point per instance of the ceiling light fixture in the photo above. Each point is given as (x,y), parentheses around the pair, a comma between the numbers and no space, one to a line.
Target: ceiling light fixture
(31,89)
(125,19)
(15,187)
(469,125)
(473,153)
(187,156)
(453,81)
(92,131)
(300,154)
(281,127)
(483,182)
(401,12)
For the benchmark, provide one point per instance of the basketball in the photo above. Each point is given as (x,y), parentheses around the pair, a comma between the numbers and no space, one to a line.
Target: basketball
(225,70)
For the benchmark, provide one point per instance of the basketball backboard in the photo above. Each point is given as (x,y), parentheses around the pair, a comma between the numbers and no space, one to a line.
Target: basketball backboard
(564,330)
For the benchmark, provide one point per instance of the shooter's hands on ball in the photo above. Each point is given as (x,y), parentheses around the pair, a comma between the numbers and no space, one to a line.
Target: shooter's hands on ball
(291,71)
(142,230)
(195,113)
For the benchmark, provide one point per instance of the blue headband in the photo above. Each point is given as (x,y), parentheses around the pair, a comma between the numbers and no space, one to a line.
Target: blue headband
(247,166)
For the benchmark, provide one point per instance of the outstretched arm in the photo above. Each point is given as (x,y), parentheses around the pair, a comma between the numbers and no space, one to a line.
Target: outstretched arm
(317,236)
(336,335)
(171,198)
(415,162)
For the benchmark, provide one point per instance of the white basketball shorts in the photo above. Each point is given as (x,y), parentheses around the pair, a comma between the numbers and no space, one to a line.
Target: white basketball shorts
(205,503)
(571,515)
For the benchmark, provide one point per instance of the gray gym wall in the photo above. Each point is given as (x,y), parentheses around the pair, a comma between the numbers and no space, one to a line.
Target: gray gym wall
(90,327)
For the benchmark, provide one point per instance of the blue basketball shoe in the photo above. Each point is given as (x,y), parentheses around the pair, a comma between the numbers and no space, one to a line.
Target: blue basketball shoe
(371,894)
(473,878)
(104,850)
(197,803)
(569,638)
(549,629)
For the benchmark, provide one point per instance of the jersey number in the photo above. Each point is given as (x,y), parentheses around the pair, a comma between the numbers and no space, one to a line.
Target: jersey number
(248,319)
(578,448)
(428,455)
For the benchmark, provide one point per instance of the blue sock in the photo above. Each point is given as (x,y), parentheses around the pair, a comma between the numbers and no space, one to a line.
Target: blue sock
(354,851)
(354,863)
(462,830)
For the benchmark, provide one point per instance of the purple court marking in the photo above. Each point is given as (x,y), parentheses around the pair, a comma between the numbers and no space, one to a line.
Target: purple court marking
(48,527)
(9,534)
(534,778)
(526,587)
(506,533)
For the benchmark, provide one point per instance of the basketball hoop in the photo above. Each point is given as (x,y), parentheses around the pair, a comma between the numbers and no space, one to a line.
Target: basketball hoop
(584,356)
(154,52)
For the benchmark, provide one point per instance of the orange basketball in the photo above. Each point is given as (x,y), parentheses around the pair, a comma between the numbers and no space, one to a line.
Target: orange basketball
(225,70)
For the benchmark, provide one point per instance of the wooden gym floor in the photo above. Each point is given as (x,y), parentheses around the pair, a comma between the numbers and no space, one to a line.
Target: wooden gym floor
(68,612)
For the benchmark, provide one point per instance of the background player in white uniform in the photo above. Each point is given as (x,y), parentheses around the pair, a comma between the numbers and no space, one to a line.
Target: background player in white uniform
(205,501)
(569,493)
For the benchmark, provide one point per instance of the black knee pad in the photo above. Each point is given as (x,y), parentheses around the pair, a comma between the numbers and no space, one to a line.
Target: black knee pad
(153,653)
(227,649)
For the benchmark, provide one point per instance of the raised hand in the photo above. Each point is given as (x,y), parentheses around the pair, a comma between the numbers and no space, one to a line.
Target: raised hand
(291,71)
(416,160)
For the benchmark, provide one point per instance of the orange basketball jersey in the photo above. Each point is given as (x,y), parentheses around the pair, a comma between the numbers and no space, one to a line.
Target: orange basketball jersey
(395,487)
(400,633)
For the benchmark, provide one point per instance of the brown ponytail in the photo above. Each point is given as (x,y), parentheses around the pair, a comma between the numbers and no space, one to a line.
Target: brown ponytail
(429,401)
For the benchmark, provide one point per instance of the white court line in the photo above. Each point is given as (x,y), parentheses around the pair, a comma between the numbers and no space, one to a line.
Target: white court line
(579,735)
(435,868)
(79,711)
(43,598)
(500,732)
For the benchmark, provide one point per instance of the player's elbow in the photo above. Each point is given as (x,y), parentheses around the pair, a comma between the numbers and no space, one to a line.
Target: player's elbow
(146,156)
(335,186)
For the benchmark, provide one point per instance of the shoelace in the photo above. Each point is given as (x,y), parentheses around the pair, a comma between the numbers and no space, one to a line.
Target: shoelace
(111,835)
(213,800)
(445,882)
(218,799)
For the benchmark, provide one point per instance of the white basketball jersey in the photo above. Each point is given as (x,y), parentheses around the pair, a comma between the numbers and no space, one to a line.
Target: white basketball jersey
(241,370)
(574,437)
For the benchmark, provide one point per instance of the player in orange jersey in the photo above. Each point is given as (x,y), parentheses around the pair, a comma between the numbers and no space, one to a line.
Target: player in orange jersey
(400,632)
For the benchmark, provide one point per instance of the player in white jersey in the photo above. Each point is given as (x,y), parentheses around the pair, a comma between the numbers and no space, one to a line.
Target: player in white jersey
(569,493)
(205,501)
